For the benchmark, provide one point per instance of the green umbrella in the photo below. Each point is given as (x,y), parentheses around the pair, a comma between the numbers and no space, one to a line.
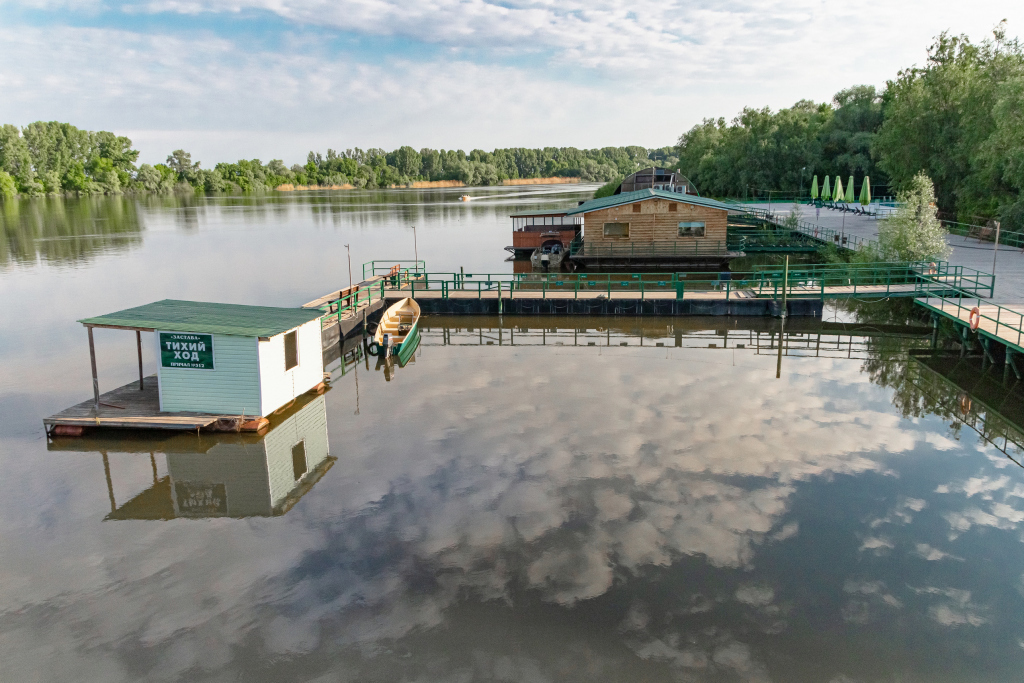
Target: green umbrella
(838,194)
(865,191)
(826,190)
(849,189)
(814,187)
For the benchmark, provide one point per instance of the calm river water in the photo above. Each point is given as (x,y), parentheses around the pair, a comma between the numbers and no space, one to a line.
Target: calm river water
(533,499)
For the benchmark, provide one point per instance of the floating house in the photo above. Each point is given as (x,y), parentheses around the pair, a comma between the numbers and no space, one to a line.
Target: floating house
(217,363)
(652,227)
(654,178)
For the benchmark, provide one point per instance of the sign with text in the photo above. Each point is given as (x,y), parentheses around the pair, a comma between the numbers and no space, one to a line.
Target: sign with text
(186,350)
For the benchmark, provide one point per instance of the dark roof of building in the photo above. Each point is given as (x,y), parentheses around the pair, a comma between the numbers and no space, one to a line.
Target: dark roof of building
(207,318)
(640,195)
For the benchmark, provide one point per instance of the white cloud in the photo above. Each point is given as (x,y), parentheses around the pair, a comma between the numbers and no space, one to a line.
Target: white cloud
(510,74)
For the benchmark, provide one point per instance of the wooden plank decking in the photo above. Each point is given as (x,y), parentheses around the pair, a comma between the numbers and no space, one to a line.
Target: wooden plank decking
(1004,323)
(127,407)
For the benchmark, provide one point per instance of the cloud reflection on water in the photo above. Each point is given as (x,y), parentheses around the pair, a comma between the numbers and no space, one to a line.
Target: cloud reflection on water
(641,510)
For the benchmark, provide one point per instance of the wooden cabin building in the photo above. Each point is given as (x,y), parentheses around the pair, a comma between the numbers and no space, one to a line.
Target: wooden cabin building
(653,228)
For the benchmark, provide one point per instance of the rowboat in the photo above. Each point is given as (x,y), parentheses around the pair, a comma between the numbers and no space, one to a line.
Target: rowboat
(398,333)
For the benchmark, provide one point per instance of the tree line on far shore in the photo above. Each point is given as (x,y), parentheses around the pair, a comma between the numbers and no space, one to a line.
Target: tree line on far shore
(959,119)
(49,158)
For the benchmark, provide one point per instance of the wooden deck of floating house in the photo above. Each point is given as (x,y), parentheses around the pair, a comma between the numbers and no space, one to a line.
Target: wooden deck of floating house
(129,408)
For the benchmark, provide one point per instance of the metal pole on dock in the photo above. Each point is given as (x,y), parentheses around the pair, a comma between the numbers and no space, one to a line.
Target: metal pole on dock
(95,378)
(349,268)
(416,249)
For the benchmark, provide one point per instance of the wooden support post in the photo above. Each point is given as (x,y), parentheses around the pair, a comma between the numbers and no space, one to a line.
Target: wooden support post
(138,344)
(935,331)
(95,378)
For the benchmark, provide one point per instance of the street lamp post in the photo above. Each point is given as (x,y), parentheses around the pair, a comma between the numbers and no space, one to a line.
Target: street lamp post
(349,251)
(416,249)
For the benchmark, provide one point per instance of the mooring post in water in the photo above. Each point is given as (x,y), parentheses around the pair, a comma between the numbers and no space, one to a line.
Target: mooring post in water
(782,328)
(95,379)
(138,343)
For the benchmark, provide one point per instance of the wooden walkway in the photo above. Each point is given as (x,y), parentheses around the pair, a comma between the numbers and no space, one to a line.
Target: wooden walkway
(665,294)
(1004,324)
(127,407)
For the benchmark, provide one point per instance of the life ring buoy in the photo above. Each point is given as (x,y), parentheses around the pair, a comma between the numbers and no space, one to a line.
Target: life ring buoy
(373,349)
(965,403)
(974,319)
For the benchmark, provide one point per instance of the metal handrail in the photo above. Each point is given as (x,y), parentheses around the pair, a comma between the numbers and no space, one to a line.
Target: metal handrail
(1011,320)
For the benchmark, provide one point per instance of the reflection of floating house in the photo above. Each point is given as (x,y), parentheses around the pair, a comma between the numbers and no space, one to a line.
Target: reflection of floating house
(218,365)
(229,475)
(652,227)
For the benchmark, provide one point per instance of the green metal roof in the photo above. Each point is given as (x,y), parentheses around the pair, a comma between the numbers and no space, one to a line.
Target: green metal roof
(640,195)
(209,318)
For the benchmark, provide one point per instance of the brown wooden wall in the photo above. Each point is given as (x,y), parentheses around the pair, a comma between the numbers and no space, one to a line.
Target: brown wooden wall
(655,222)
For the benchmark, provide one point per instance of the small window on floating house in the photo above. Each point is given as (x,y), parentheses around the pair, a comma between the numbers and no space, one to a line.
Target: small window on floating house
(672,206)
(691,229)
(616,229)
(299,467)
(636,208)
(291,350)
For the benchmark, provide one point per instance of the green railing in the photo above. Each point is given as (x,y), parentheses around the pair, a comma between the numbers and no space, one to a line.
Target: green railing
(984,233)
(542,284)
(858,280)
(754,239)
(1005,324)
(348,304)
(837,238)
(961,278)
(380,268)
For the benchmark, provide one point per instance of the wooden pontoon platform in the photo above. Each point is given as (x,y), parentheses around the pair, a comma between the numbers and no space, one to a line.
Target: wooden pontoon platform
(129,408)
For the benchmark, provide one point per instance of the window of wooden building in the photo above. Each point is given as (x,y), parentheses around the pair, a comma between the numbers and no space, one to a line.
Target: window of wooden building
(636,208)
(291,350)
(672,206)
(616,229)
(299,466)
(691,229)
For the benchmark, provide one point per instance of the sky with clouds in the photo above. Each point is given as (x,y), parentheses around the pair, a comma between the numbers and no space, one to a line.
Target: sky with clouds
(275,78)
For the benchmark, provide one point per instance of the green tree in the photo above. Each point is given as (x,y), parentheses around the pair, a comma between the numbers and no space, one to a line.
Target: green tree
(913,232)
(8,188)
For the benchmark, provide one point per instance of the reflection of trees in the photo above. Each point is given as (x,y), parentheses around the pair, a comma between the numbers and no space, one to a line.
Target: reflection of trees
(916,393)
(66,230)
